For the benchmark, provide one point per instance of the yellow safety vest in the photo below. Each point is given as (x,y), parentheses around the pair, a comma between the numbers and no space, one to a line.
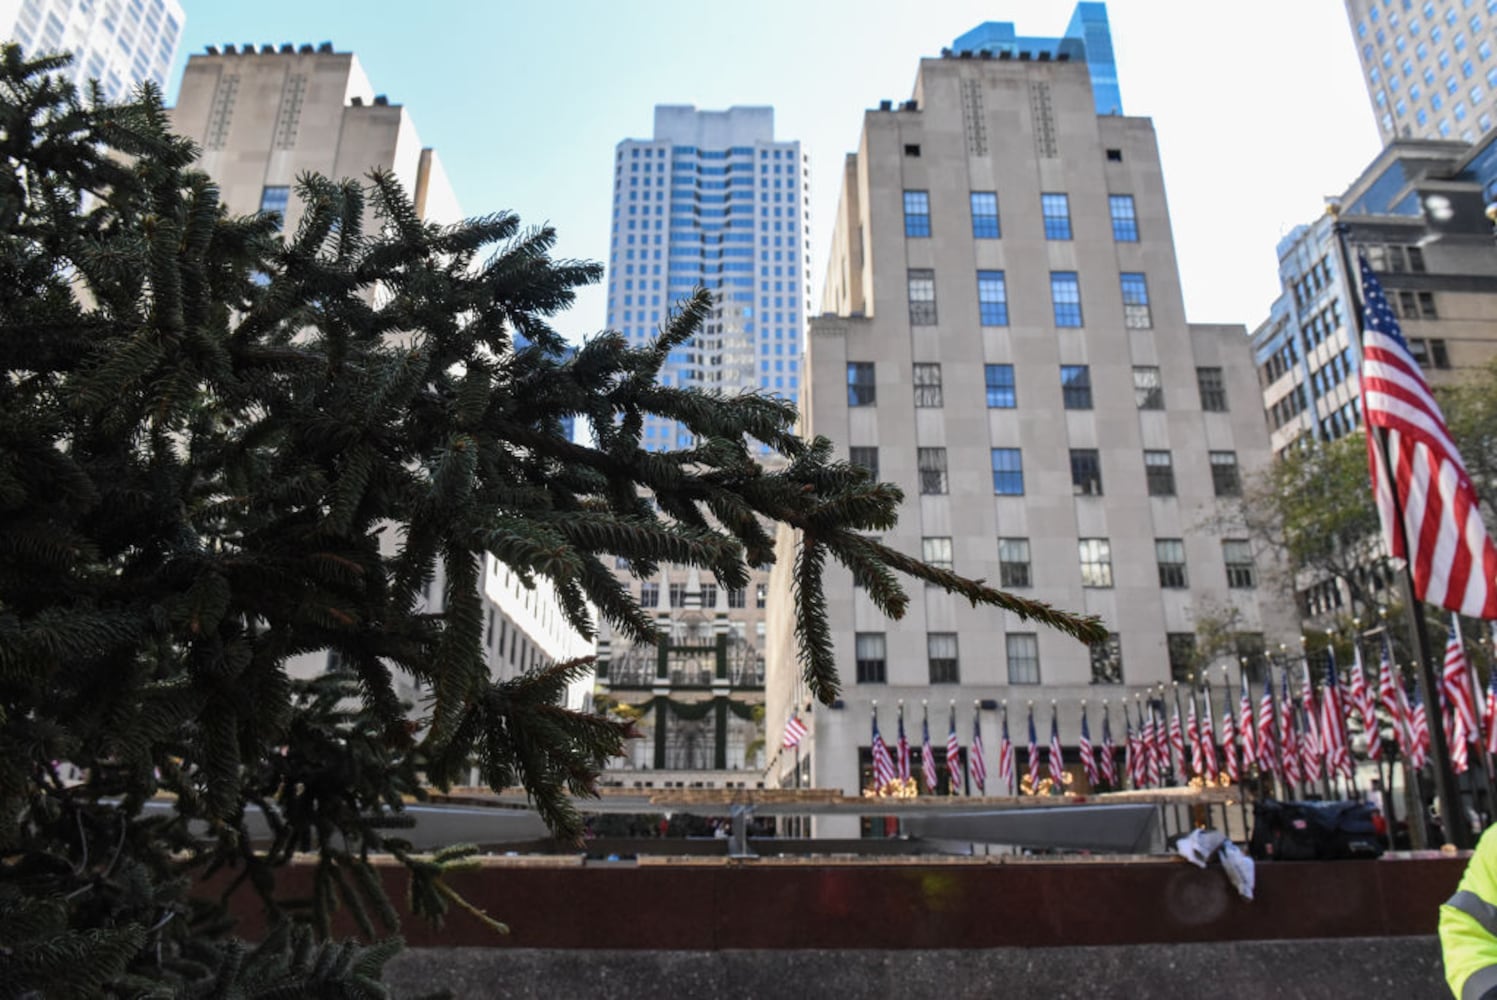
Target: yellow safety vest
(1468,926)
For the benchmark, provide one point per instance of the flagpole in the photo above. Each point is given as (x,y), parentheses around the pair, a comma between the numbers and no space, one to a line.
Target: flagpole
(1454,816)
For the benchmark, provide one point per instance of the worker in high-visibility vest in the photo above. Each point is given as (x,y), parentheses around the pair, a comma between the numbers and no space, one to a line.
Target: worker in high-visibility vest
(1468,926)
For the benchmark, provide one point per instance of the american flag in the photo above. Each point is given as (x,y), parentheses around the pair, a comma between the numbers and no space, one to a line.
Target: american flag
(1491,713)
(1419,738)
(1309,749)
(904,749)
(1057,765)
(1333,722)
(975,764)
(1289,735)
(795,731)
(1248,734)
(1157,748)
(1452,562)
(1312,747)
(1006,759)
(954,756)
(1193,733)
(927,756)
(1208,738)
(1088,761)
(1268,755)
(1177,742)
(1455,681)
(1109,752)
(1390,695)
(1457,740)
(1132,759)
(883,766)
(1229,738)
(1034,755)
(1360,696)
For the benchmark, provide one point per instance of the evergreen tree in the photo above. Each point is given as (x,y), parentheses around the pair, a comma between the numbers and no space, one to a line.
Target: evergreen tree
(222,447)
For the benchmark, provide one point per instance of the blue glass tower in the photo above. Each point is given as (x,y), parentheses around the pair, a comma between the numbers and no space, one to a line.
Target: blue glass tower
(712,201)
(1087,39)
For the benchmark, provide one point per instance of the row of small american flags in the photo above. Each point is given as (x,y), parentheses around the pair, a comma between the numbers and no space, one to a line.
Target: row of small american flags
(1298,731)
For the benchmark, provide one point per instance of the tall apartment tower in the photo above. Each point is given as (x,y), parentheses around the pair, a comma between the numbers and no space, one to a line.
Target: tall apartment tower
(120,43)
(1428,66)
(712,201)
(1003,336)
(264,116)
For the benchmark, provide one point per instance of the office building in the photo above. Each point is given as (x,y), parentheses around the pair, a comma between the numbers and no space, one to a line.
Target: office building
(1428,66)
(263,117)
(120,43)
(1003,336)
(1088,39)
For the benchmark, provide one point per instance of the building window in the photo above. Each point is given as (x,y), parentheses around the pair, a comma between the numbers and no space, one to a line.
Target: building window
(1065,296)
(1076,386)
(273,201)
(917,213)
(1170,553)
(761,595)
(736,596)
(1427,306)
(677,594)
(936,552)
(649,595)
(927,385)
(912,149)
(1213,389)
(992,298)
(1096,562)
(1023,650)
(1181,649)
(1114,156)
(1057,212)
(861,390)
(922,297)
(1136,315)
(709,595)
(1124,218)
(1008,472)
(1107,660)
(1224,477)
(1000,387)
(869,656)
(1148,388)
(1159,473)
(932,465)
(1086,472)
(867,458)
(1238,555)
(985,216)
(1432,353)
(1013,562)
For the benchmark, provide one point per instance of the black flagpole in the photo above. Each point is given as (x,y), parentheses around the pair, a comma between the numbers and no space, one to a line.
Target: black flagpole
(1452,813)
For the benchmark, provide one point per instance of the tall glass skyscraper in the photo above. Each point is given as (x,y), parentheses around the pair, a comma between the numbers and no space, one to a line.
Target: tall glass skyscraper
(713,200)
(1088,39)
(120,43)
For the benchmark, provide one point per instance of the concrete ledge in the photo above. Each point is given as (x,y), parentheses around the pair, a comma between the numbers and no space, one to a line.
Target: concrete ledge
(1404,967)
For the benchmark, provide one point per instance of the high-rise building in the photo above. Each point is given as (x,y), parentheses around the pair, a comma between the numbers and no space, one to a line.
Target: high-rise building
(1088,39)
(119,43)
(263,117)
(1003,336)
(1418,213)
(1428,66)
(712,201)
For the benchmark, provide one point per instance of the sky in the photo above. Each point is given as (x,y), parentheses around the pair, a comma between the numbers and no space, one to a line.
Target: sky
(1259,108)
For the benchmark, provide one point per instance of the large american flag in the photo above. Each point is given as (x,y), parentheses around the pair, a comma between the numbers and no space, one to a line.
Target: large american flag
(1057,765)
(1333,722)
(795,731)
(953,756)
(1208,738)
(1289,734)
(1312,747)
(1034,755)
(927,756)
(1177,742)
(1229,737)
(1158,751)
(1451,559)
(1109,752)
(883,765)
(1088,759)
(1006,759)
(975,764)
(904,749)
(1248,733)
(1455,681)
(1268,756)
(1360,695)
(1193,733)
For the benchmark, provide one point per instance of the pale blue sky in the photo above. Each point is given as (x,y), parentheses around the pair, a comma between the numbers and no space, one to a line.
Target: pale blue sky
(1260,108)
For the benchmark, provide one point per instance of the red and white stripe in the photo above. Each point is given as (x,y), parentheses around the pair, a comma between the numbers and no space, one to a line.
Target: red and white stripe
(1360,699)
